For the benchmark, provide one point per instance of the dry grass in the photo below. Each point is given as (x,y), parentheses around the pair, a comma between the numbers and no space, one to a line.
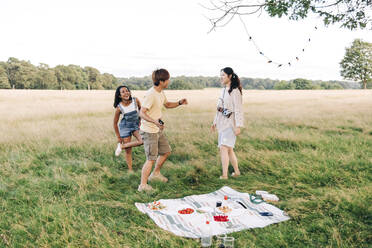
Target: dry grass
(75,116)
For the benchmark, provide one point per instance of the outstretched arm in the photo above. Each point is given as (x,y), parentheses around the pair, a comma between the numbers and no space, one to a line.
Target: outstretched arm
(175,104)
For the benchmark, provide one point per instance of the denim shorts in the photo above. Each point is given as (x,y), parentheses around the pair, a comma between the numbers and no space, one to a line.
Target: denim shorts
(227,137)
(129,124)
(127,131)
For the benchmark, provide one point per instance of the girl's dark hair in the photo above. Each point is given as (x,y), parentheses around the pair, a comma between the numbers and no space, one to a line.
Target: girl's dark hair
(117,98)
(235,81)
(160,75)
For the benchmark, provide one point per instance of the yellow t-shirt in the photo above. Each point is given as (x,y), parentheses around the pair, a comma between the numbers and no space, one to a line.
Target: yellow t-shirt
(154,102)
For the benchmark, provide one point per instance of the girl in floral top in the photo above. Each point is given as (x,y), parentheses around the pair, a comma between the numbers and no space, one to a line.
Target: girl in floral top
(229,119)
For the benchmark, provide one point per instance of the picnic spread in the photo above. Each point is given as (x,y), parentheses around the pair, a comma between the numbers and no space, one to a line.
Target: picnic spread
(220,212)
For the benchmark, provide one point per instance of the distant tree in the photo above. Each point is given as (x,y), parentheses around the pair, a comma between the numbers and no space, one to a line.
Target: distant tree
(357,63)
(351,14)
(94,78)
(179,84)
(302,84)
(4,81)
(108,81)
(347,85)
(330,86)
(246,83)
(45,78)
(78,77)
(21,74)
(65,77)
(284,85)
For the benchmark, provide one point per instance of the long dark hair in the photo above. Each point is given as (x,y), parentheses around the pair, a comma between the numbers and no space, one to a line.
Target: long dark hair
(235,81)
(117,98)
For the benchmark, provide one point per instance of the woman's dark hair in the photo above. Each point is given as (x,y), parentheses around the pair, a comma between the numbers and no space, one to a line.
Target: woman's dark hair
(160,75)
(235,81)
(117,98)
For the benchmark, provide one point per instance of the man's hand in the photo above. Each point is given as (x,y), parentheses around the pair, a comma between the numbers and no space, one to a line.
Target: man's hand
(159,125)
(237,131)
(183,101)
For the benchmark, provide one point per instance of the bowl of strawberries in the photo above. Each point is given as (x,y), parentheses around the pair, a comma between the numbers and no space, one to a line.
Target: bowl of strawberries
(186,211)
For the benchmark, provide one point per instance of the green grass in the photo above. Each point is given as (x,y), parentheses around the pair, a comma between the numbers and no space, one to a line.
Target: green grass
(81,196)
(62,191)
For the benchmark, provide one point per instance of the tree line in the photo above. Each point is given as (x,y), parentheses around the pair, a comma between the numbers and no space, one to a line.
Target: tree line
(200,82)
(20,74)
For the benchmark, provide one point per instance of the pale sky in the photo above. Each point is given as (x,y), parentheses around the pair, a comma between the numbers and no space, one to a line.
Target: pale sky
(132,38)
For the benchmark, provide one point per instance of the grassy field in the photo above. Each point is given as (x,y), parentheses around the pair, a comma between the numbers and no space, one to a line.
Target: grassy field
(62,186)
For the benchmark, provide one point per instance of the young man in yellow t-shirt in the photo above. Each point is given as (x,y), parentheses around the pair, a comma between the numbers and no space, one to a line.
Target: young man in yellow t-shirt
(155,142)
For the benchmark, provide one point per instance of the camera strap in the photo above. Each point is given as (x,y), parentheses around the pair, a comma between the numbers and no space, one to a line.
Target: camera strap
(219,109)
(223,96)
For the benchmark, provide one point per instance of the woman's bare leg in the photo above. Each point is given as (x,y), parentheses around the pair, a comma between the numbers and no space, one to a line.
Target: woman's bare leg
(139,141)
(224,160)
(233,160)
(128,153)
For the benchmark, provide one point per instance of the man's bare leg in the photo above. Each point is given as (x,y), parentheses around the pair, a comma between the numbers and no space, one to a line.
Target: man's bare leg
(146,170)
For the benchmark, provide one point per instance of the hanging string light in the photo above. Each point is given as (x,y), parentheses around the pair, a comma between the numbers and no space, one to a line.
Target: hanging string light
(269,60)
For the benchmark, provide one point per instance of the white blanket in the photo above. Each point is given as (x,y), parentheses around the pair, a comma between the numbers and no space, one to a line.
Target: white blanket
(195,225)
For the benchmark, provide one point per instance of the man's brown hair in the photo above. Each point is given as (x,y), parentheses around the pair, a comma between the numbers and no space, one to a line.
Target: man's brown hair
(160,75)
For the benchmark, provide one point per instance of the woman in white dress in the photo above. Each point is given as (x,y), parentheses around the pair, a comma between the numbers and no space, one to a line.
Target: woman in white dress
(229,120)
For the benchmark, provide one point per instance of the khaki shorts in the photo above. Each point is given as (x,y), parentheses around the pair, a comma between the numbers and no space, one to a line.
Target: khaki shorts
(155,144)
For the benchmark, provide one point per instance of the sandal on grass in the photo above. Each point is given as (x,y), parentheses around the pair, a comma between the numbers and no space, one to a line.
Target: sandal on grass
(223,178)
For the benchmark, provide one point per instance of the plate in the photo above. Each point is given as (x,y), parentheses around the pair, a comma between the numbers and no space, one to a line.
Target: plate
(204,210)
(224,209)
(185,215)
(186,211)
(156,206)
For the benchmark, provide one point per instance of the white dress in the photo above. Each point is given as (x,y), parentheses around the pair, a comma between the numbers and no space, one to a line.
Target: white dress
(232,102)
(224,125)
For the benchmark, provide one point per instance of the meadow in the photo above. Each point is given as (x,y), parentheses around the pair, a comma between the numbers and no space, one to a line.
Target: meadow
(62,186)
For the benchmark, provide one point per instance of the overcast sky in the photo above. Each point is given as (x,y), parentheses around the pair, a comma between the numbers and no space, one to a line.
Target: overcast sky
(132,38)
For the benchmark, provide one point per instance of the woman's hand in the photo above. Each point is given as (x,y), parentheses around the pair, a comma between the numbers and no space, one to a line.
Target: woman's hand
(213,127)
(237,131)
(120,140)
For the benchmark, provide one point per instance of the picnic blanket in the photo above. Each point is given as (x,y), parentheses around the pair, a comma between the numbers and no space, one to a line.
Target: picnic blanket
(244,214)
